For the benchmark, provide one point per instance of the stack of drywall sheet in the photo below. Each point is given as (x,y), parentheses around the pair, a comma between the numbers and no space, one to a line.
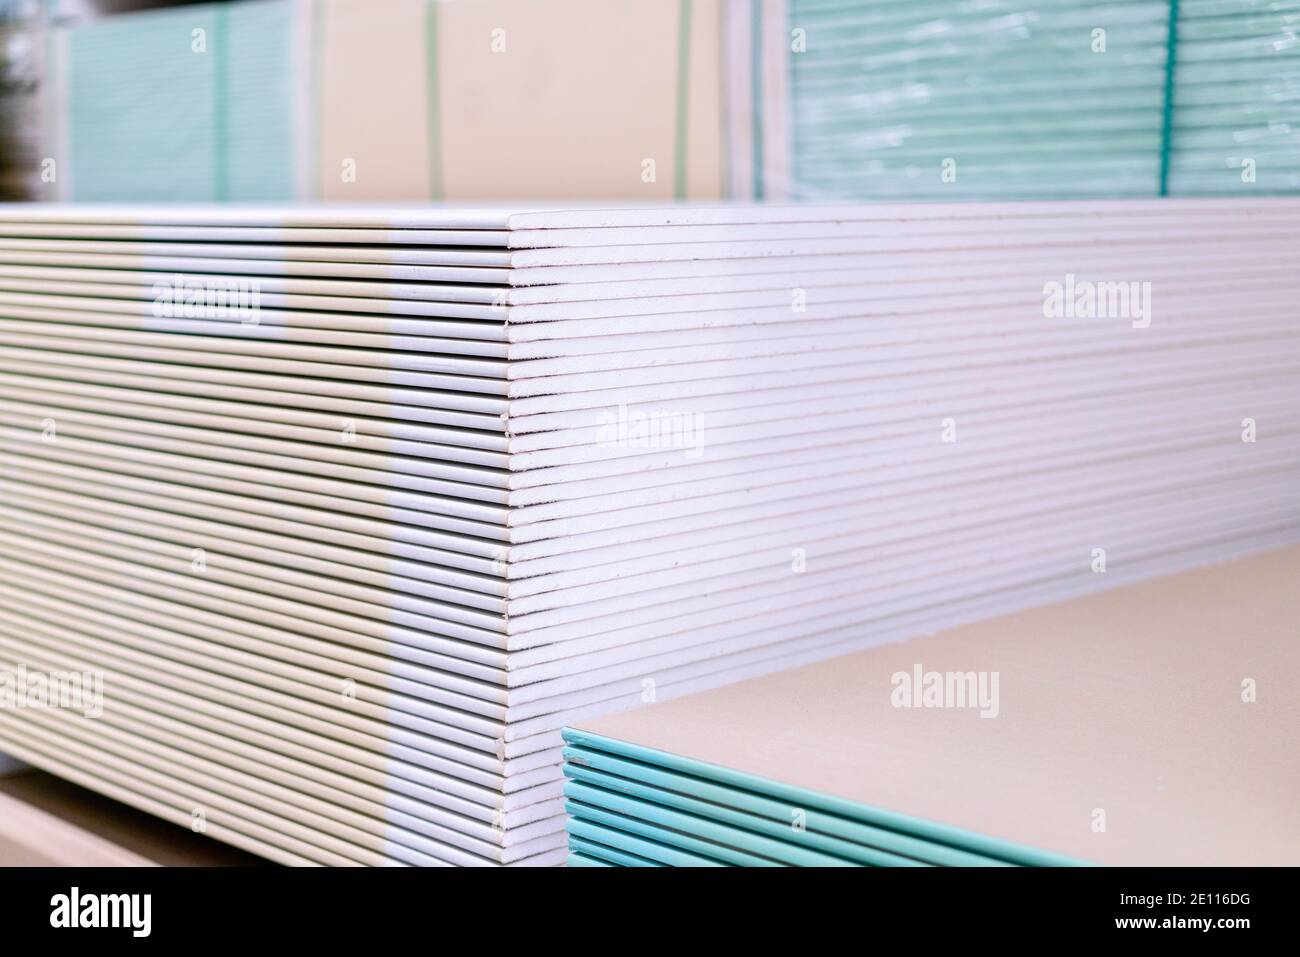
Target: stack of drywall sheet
(355,509)
(954,100)
(1237,86)
(1151,724)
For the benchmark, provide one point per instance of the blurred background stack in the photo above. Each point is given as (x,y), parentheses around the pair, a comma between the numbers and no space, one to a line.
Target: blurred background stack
(830,100)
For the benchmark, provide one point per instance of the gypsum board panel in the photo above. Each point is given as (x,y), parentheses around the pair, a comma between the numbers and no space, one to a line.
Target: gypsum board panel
(614,348)
(479,788)
(273,403)
(845,485)
(763,332)
(807,520)
(358,656)
(649,783)
(741,249)
(400,451)
(736,270)
(767,580)
(689,431)
(528,276)
(386,818)
(413,661)
(129,284)
(365,475)
(473,339)
(440,566)
(672,511)
(293,554)
(678,457)
(289,385)
(641,479)
(751,831)
(516,217)
(273,549)
(302,840)
(161,763)
(744,544)
(305,373)
(471,238)
(421,523)
(769,328)
(398,255)
(343,778)
(404,717)
(609,825)
(753,810)
(586,283)
(763,387)
(632,849)
(366,434)
(247,310)
(831,302)
(206,793)
(289,453)
(784,309)
(691,511)
(970,29)
(527,735)
(385,815)
(841,588)
(777,403)
(1051,43)
(543,555)
(542,736)
(293,614)
(909,356)
(903,446)
(123,620)
(178,259)
(368,364)
(826,286)
(762,373)
(145,459)
(132,283)
(162,805)
(399,688)
(468,781)
(1194,607)
(702,619)
(428,751)
(921,442)
(526,415)
(590,772)
(362,609)
(730,537)
(332,683)
(585,853)
(578,238)
(952,232)
(679,827)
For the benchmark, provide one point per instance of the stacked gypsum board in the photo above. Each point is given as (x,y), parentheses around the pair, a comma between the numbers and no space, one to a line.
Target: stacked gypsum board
(1236,98)
(1131,727)
(349,562)
(1008,99)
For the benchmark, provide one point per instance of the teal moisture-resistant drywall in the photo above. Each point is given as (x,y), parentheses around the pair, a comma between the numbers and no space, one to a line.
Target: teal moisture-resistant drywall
(190,104)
